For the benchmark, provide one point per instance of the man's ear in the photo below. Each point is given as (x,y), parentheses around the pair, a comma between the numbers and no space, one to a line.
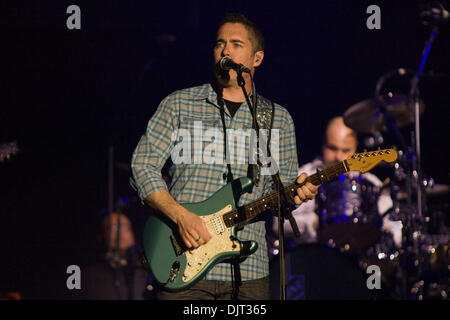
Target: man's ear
(259,56)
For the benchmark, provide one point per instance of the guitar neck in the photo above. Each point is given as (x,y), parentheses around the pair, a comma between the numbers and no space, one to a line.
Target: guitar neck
(253,209)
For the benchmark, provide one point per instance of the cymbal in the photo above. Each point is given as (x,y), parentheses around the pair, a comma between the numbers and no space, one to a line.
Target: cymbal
(438,190)
(369,116)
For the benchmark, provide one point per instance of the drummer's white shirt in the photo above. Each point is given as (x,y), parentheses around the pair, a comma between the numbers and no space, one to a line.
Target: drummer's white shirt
(306,217)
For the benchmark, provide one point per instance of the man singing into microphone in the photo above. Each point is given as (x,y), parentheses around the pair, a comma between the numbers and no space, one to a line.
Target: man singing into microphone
(222,106)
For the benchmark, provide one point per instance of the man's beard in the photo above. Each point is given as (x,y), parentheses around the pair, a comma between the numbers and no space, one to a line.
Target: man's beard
(222,76)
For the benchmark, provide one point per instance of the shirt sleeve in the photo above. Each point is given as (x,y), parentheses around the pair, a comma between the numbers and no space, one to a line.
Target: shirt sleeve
(288,160)
(154,148)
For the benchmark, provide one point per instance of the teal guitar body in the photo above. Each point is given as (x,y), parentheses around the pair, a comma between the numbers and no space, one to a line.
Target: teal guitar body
(176,268)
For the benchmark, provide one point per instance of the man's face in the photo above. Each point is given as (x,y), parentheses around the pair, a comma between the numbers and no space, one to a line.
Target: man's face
(233,41)
(338,147)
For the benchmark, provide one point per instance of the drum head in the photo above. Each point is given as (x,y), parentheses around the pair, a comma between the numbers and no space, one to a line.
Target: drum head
(317,272)
(348,213)
(357,236)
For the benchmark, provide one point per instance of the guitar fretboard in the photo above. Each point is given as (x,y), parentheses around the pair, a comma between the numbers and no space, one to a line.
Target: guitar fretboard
(253,209)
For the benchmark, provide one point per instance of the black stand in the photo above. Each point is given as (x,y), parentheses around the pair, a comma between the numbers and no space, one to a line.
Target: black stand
(417,173)
(113,251)
(414,96)
(284,211)
(284,205)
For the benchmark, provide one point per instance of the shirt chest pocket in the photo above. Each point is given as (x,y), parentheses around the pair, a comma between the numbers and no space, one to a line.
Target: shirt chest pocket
(196,124)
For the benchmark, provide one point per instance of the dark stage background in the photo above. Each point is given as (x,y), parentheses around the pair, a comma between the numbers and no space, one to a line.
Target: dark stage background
(66,96)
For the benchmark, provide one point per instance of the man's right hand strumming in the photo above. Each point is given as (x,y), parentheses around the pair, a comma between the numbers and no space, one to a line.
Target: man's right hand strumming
(192,228)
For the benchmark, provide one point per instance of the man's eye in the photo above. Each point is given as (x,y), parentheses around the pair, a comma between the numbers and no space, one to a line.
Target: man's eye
(332,148)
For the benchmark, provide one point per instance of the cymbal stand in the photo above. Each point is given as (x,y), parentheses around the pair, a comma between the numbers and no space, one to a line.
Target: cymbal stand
(414,95)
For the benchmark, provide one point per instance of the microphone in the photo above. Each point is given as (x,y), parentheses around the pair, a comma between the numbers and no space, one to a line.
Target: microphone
(226,63)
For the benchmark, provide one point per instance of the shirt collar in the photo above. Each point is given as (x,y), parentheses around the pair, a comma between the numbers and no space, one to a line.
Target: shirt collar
(206,91)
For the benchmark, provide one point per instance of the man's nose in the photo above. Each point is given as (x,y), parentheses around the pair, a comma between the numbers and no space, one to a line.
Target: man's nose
(226,50)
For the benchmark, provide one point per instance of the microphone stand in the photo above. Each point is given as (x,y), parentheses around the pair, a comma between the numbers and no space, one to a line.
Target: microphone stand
(113,250)
(284,209)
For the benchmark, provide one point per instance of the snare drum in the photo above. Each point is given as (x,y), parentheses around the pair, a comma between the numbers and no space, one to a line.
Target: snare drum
(348,214)
(317,272)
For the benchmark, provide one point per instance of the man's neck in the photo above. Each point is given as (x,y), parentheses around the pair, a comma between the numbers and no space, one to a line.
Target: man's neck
(234,93)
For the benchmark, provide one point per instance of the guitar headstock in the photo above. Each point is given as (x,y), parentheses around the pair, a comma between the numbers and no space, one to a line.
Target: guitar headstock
(7,150)
(365,161)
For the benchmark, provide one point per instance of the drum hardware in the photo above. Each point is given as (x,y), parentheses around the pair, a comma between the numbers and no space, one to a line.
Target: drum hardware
(424,260)
(419,268)
(317,272)
(385,113)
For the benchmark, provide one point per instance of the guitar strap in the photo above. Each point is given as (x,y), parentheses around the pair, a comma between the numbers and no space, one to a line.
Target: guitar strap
(225,146)
(264,120)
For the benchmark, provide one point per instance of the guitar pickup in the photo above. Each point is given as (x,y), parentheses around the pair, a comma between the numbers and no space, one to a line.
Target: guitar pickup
(179,248)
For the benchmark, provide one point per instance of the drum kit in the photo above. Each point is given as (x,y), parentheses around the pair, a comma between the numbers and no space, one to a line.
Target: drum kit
(411,248)
(409,241)
(419,267)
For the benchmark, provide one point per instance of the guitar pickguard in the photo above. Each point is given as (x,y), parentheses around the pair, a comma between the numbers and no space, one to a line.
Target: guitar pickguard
(221,241)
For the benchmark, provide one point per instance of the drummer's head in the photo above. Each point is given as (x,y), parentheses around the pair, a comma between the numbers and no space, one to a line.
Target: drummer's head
(339,142)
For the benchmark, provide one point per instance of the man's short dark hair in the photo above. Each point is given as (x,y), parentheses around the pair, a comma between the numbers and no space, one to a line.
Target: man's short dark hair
(255,34)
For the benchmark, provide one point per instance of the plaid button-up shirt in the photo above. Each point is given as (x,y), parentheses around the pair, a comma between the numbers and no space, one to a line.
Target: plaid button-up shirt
(197,180)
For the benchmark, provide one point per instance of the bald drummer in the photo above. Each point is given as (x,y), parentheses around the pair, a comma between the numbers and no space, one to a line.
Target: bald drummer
(339,142)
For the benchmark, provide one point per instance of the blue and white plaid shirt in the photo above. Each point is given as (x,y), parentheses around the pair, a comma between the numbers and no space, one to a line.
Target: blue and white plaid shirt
(197,181)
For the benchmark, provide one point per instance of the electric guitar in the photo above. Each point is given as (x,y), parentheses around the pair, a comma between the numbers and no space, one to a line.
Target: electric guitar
(175,267)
